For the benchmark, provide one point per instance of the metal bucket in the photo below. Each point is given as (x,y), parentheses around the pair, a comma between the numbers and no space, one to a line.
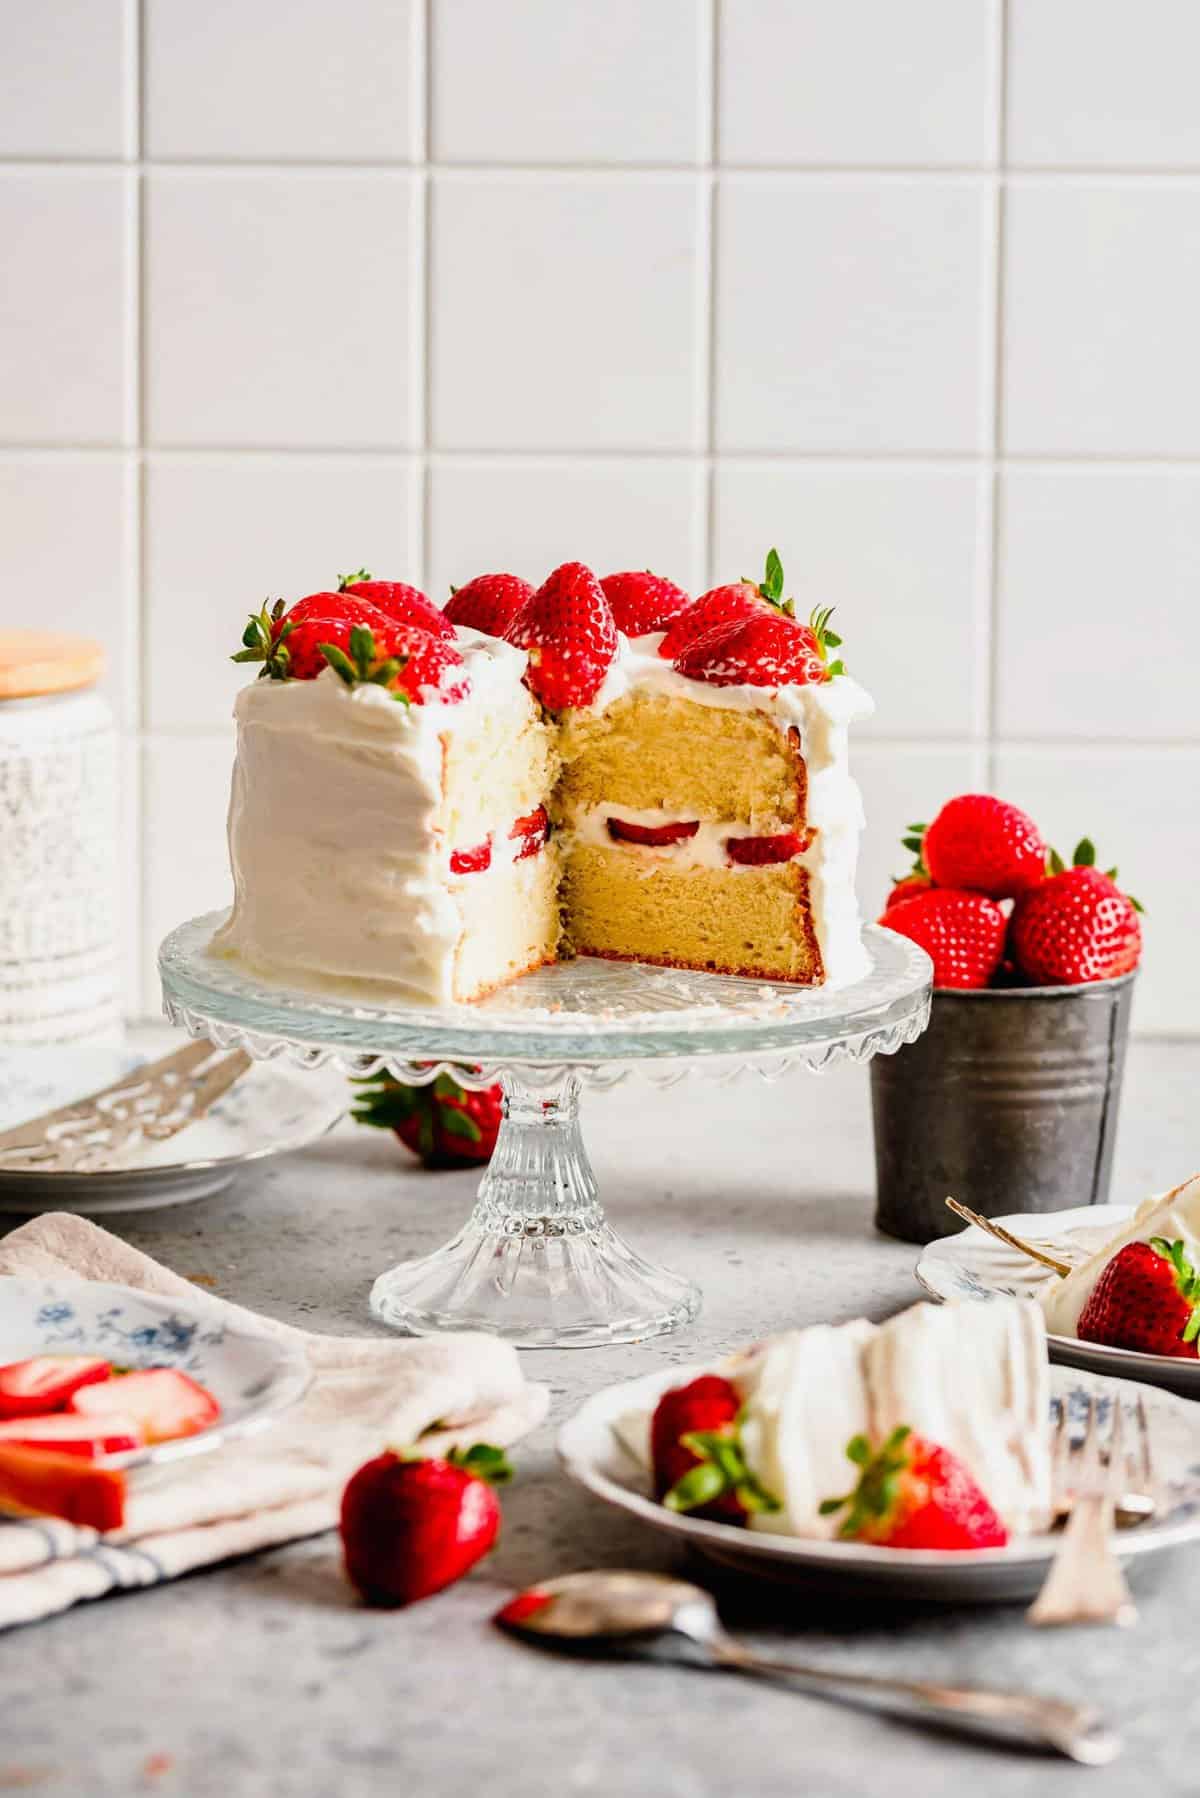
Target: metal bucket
(1009,1102)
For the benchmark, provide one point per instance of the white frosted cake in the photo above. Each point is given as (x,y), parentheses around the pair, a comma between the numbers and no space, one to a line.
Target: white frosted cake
(439,847)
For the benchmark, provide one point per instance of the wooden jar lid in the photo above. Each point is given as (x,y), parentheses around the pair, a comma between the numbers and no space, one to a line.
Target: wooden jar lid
(35,663)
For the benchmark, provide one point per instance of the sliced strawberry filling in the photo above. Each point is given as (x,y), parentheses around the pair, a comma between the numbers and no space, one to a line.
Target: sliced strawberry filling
(654,836)
(531,832)
(762,852)
(472,861)
(45,1382)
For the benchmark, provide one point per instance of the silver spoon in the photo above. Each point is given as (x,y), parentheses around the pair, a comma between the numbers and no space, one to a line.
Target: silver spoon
(635,1609)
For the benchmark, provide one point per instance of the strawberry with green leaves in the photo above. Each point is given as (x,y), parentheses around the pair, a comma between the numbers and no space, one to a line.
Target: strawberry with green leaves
(412,1525)
(444,1124)
(727,605)
(411,664)
(911,1493)
(288,642)
(1076,926)
(1147,1298)
(697,1457)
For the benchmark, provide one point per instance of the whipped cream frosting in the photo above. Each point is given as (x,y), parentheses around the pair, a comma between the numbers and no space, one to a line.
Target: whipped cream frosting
(316,878)
(1174,1216)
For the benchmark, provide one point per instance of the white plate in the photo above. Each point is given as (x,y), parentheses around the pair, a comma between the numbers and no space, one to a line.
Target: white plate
(592,1454)
(252,1377)
(973,1265)
(269,1111)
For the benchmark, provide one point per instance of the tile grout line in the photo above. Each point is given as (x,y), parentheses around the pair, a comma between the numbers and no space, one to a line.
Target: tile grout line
(708,363)
(138,313)
(990,621)
(425,286)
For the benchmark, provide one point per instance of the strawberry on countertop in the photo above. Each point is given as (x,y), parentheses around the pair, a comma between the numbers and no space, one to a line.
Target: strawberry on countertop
(1147,1298)
(445,1124)
(398,601)
(962,933)
(913,1494)
(980,842)
(411,1526)
(489,603)
(1076,926)
(404,659)
(696,1453)
(643,602)
(568,629)
(45,1382)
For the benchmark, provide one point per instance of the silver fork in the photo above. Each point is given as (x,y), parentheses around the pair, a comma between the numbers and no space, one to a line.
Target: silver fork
(151,1103)
(1085,1583)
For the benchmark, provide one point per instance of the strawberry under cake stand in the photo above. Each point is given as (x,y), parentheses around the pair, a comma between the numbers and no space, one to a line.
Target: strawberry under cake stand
(537,1261)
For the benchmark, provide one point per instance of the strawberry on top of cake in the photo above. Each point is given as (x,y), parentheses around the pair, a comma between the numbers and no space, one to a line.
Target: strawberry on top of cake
(436,800)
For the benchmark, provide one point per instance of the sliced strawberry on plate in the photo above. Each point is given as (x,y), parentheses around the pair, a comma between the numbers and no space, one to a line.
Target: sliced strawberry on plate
(531,832)
(46,1485)
(287,643)
(763,852)
(411,1526)
(654,836)
(412,665)
(643,602)
(164,1401)
(568,629)
(489,603)
(45,1382)
(911,1493)
(66,1433)
(398,601)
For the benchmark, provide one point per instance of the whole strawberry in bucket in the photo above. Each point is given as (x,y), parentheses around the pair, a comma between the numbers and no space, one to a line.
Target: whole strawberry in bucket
(444,1124)
(1009,1101)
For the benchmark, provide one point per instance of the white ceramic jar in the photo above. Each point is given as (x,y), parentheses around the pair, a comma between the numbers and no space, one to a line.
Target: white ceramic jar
(58,844)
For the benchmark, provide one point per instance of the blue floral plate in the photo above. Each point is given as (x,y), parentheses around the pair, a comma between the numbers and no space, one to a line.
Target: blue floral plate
(254,1378)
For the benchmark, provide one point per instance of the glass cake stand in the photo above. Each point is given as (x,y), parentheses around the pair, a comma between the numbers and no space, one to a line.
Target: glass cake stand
(537,1262)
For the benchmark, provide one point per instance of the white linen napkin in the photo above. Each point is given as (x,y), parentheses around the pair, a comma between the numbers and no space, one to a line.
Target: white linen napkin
(276,1487)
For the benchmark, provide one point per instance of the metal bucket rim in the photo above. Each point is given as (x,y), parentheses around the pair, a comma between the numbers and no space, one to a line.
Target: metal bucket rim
(1079,990)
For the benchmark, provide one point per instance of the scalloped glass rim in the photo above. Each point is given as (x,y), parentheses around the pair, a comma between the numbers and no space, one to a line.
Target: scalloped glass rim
(586,1011)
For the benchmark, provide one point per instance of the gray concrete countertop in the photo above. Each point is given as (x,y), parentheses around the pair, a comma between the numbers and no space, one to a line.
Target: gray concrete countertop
(266,1679)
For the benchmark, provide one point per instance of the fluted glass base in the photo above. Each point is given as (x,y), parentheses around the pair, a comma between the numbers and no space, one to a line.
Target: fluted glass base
(537,1262)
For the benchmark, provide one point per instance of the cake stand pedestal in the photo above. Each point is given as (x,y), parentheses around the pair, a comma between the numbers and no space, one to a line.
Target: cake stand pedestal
(537,1262)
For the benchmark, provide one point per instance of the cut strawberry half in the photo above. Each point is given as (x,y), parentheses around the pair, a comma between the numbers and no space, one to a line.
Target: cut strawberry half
(654,836)
(165,1402)
(65,1433)
(45,1485)
(472,861)
(763,852)
(45,1382)
(531,832)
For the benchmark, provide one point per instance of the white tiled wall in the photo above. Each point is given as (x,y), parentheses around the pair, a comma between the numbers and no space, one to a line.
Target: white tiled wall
(910,290)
